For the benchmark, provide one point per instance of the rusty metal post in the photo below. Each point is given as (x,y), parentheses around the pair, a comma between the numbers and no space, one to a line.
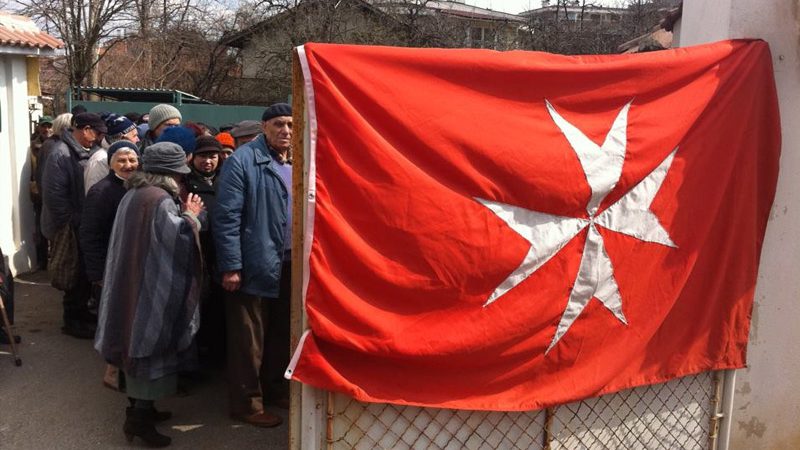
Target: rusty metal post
(716,414)
(547,435)
(330,414)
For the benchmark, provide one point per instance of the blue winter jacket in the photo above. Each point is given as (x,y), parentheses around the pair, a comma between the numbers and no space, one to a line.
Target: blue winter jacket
(249,219)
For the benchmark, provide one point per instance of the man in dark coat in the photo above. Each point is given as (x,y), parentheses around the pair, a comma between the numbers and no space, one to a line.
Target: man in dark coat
(204,162)
(43,131)
(63,196)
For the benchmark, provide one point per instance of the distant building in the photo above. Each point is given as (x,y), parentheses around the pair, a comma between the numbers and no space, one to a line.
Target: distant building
(265,47)
(484,28)
(575,11)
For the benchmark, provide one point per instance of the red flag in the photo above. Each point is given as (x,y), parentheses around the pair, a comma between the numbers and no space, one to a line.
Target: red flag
(510,231)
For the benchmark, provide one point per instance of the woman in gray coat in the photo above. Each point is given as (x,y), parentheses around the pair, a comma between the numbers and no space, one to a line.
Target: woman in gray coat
(149,307)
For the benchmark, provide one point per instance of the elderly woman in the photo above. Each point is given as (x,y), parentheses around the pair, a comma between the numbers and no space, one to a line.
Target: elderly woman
(99,210)
(100,207)
(149,309)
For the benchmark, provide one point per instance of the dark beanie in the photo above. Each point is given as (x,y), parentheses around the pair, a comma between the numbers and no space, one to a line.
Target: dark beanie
(207,144)
(118,125)
(179,135)
(91,120)
(276,110)
(119,145)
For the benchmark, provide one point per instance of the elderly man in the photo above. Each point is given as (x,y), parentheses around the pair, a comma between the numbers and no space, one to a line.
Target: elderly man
(251,225)
(160,118)
(245,131)
(63,196)
(43,132)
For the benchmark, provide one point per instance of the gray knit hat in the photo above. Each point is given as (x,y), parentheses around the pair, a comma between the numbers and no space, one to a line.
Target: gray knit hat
(161,113)
(165,157)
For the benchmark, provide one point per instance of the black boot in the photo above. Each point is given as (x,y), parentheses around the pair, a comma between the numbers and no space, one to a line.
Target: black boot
(156,415)
(160,416)
(78,329)
(138,422)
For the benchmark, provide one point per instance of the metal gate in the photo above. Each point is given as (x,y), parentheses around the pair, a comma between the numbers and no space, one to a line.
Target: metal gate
(679,414)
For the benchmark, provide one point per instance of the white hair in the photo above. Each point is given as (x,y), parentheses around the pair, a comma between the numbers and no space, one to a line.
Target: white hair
(61,123)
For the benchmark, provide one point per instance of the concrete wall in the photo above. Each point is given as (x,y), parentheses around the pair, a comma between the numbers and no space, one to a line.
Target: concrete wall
(16,211)
(767,396)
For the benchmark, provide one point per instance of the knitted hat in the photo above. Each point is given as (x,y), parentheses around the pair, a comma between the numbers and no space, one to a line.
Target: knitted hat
(179,135)
(164,157)
(276,110)
(226,140)
(118,126)
(246,128)
(91,120)
(120,145)
(161,113)
(206,144)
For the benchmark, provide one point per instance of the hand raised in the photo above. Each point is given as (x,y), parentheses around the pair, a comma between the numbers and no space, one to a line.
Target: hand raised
(194,204)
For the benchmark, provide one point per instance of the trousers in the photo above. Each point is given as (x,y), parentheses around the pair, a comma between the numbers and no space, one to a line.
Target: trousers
(257,347)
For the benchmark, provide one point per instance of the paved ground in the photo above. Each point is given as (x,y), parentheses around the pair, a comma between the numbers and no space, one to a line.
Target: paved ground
(56,399)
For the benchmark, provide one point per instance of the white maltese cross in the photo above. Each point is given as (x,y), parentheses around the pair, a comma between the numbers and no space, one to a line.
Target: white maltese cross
(547,234)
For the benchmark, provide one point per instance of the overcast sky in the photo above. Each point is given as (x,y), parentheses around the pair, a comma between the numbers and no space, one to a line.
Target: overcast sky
(517,6)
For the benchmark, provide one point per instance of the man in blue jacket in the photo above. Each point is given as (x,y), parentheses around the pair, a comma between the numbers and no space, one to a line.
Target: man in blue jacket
(251,225)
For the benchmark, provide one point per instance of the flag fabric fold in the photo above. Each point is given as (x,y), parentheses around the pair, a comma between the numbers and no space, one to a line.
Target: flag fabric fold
(511,231)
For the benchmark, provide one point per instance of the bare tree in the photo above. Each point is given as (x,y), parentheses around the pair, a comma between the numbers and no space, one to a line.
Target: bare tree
(284,24)
(571,31)
(83,25)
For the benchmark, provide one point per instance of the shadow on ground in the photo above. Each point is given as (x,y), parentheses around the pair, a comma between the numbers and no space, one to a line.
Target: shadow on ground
(56,399)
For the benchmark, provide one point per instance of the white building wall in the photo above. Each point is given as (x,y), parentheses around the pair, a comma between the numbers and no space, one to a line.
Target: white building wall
(766,407)
(16,211)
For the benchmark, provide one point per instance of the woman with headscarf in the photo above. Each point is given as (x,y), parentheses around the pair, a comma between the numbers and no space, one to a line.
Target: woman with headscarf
(149,308)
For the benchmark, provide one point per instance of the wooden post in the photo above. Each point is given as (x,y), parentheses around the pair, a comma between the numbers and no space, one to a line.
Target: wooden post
(299,193)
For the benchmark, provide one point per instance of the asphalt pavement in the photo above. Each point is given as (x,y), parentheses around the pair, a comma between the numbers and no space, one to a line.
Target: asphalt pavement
(56,399)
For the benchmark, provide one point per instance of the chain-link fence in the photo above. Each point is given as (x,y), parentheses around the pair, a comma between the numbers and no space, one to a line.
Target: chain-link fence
(679,414)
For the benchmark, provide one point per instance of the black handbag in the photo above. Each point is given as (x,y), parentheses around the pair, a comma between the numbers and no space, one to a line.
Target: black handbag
(64,263)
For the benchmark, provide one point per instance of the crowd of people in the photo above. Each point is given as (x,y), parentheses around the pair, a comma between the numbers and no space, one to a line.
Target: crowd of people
(171,243)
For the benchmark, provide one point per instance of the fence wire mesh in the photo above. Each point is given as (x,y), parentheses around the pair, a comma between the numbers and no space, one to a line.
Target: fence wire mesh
(672,415)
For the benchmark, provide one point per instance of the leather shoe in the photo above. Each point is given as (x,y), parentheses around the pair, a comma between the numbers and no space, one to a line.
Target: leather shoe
(262,419)
(280,402)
